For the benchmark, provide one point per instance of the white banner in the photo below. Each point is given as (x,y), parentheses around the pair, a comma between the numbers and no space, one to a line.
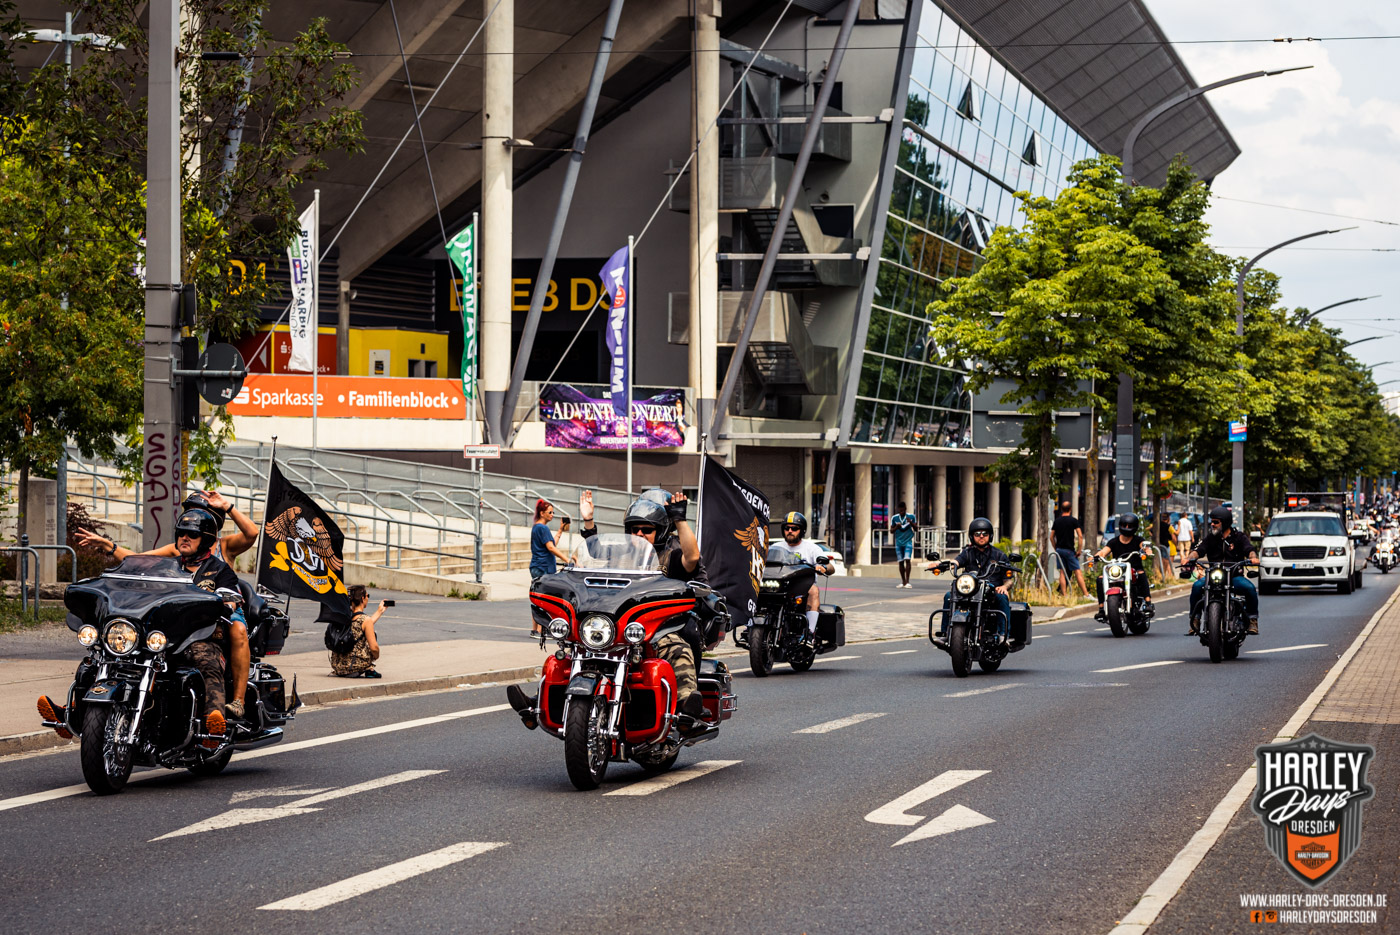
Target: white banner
(301,258)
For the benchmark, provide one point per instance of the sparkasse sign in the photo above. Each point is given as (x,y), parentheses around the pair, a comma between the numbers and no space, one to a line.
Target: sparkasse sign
(350,397)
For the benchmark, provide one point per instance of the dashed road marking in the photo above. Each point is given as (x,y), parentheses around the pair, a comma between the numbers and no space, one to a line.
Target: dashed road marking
(1073,632)
(360,884)
(839,723)
(1285,649)
(834,658)
(1143,665)
(984,691)
(899,652)
(674,778)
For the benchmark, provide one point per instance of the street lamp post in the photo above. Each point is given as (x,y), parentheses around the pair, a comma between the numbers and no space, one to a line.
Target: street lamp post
(1306,317)
(1237,448)
(1374,337)
(1126,454)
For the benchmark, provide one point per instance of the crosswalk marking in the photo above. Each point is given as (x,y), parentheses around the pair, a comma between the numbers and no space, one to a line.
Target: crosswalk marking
(1286,649)
(674,778)
(839,723)
(1142,665)
(983,691)
(385,876)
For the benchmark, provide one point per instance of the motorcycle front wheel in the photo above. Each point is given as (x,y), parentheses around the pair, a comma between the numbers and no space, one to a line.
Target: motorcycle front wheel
(1215,627)
(585,746)
(760,652)
(105,755)
(1113,610)
(958,650)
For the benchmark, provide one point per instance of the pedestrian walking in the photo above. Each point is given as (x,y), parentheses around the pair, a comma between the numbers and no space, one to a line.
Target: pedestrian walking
(359,661)
(1067,538)
(1184,533)
(904,526)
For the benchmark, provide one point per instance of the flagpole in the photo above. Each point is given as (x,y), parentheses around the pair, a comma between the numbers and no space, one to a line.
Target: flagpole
(315,307)
(631,357)
(257,550)
(476,434)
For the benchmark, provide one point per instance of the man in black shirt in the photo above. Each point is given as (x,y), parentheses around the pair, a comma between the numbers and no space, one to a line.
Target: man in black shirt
(1224,544)
(1067,538)
(977,558)
(1125,543)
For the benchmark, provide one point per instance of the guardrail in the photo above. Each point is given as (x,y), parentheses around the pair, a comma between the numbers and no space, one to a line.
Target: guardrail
(22,572)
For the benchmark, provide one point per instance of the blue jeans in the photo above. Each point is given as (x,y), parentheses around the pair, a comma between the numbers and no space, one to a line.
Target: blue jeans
(997,600)
(1239,584)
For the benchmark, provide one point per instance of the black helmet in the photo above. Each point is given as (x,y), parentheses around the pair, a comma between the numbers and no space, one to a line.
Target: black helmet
(980,524)
(199,523)
(657,495)
(1223,514)
(196,500)
(1128,523)
(644,511)
(796,519)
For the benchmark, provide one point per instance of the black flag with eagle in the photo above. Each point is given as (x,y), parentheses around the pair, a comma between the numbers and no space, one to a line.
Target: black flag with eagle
(733,525)
(302,550)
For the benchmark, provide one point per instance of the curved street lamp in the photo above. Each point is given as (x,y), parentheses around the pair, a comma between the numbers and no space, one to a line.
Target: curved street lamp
(1306,317)
(1374,337)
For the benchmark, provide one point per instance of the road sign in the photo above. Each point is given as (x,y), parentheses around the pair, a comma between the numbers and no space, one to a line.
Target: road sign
(222,359)
(1239,430)
(481,451)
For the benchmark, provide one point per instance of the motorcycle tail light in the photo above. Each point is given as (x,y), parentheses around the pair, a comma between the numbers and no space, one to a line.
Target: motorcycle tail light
(87,635)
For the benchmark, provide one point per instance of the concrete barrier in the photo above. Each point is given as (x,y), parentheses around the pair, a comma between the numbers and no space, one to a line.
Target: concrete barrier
(400,579)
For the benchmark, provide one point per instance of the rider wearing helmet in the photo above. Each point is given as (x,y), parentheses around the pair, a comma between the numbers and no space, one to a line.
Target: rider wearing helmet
(794,530)
(1222,543)
(1125,543)
(977,557)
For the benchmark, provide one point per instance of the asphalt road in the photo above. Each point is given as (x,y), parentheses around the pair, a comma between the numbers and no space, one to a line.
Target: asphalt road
(1043,798)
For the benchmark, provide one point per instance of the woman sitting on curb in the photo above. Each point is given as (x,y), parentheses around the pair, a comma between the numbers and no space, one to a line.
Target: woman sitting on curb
(359,661)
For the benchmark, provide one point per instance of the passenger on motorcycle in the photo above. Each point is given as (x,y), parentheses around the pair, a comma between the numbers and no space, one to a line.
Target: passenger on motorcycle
(1125,543)
(977,557)
(794,529)
(1224,544)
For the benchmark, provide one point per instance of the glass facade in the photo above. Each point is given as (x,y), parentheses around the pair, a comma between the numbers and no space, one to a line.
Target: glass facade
(973,135)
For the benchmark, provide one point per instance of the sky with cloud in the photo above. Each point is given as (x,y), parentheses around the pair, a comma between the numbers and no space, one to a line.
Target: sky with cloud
(1325,140)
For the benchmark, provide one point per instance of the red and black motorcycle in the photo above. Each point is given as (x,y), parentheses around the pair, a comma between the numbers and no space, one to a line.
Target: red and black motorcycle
(605,692)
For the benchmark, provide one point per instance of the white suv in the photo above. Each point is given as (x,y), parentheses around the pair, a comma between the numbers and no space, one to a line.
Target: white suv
(1309,548)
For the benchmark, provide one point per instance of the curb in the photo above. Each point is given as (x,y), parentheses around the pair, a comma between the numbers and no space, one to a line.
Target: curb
(47,739)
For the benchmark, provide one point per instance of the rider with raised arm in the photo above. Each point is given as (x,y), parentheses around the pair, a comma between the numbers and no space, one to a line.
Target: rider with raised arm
(794,531)
(978,557)
(1126,543)
(1222,543)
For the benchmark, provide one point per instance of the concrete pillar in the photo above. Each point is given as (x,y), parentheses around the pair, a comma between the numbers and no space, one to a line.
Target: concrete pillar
(994,508)
(940,496)
(342,330)
(1143,488)
(1105,479)
(862,517)
(1017,498)
(497,212)
(1076,480)
(905,490)
(704,218)
(42,522)
(965,504)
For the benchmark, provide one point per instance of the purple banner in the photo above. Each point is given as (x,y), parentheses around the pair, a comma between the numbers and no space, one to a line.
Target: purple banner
(573,419)
(617,282)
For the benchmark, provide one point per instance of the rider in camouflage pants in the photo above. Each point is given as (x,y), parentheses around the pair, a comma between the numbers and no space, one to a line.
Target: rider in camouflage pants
(676,650)
(206,656)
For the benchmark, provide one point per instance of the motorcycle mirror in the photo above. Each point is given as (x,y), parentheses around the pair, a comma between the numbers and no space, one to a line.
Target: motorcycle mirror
(1015,557)
(229,594)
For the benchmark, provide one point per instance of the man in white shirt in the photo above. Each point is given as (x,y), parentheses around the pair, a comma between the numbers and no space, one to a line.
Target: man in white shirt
(794,526)
(1183,535)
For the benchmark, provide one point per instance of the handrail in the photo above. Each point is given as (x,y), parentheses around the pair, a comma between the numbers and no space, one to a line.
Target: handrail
(20,571)
(73,569)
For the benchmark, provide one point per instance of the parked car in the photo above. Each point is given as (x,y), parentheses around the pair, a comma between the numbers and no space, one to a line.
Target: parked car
(838,561)
(1310,548)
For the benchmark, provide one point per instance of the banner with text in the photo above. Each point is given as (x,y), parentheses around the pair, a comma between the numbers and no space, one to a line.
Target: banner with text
(461,250)
(301,260)
(350,397)
(573,419)
(617,282)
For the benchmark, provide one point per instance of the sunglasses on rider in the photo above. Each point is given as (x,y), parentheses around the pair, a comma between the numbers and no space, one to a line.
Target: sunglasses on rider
(793,528)
(643,530)
(981,532)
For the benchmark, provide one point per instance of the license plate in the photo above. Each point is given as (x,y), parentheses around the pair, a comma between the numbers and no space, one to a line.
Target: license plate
(1307,565)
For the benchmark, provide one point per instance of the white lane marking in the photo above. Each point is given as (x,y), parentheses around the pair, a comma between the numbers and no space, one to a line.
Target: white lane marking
(1100,629)
(899,652)
(895,813)
(984,691)
(385,876)
(737,671)
(1284,649)
(1143,665)
(62,792)
(834,658)
(247,816)
(839,723)
(1164,889)
(285,791)
(1073,632)
(957,818)
(673,778)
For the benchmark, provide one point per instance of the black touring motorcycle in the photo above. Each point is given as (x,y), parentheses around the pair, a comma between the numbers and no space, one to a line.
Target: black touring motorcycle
(972,629)
(1223,621)
(131,702)
(780,621)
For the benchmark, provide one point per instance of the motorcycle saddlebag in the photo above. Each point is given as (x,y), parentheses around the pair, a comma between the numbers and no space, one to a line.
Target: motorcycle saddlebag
(1020,625)
(831,624)
(716,687)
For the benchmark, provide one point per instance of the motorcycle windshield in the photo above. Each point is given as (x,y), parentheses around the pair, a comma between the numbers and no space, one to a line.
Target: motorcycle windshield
(615,552)
(780,554)
(145,588)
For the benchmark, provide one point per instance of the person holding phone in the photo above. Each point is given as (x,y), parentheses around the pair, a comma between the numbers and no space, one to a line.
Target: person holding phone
(359,661)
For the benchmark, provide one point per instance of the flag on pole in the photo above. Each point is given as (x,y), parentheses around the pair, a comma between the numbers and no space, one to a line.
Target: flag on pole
(301,319)
(617,284)
(733,524)
(302,552)
(461,250)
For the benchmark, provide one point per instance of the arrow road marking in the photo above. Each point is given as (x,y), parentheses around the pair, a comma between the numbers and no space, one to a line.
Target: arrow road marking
(839,723)
(385,876)
(673,778)
(957,818)
(1284,649)
(984,691)
(282,791)
(247,816)
(895,812)
(1143,665)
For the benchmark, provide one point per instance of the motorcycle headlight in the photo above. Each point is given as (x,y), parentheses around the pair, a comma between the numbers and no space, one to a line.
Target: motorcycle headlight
(122,637)
(769,584)
(1270,551)
(1337,550)
(1115,571)
(634,632)
(87,635)
(1217,575)
(156,641)
(558,628)
(597,631)
(965,584)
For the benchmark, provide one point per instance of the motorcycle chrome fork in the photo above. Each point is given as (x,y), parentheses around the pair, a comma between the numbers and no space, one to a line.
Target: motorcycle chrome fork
(142,691)
(615,714)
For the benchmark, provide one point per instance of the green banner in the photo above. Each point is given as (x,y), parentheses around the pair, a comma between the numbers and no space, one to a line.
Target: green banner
(461,250)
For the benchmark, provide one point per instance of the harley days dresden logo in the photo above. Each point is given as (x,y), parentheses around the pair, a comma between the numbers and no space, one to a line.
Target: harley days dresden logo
(1308,794)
